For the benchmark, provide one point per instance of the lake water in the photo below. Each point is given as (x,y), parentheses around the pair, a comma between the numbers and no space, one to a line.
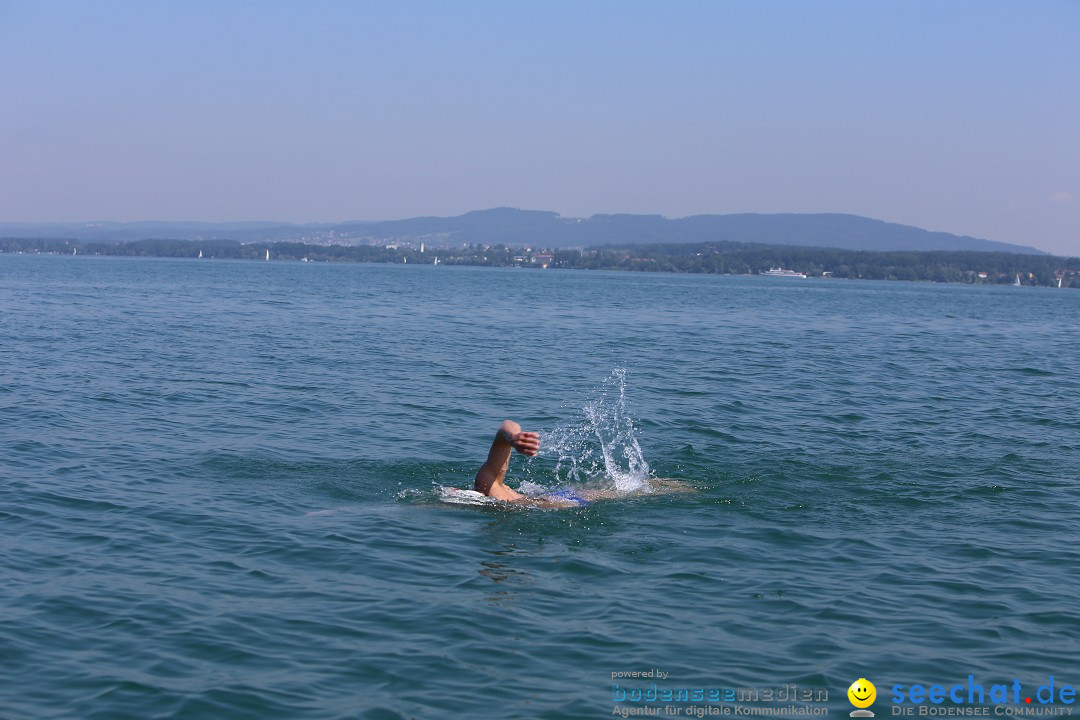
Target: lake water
(219,489)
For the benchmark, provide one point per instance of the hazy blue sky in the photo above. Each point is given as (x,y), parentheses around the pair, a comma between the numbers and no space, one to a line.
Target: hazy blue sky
(957,115)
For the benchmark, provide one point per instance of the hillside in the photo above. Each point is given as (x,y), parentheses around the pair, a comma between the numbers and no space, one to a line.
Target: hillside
(510,226)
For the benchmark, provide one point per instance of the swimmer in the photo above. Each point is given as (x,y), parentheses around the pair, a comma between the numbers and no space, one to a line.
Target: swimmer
(489,479)
(510,437)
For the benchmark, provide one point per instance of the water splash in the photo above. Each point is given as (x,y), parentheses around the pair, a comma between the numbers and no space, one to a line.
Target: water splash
(603,444)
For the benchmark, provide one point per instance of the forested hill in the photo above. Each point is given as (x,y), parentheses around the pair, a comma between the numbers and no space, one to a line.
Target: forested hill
(533,228)
(547,229)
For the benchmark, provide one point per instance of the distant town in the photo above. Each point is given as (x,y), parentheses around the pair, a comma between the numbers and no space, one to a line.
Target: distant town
(728,258)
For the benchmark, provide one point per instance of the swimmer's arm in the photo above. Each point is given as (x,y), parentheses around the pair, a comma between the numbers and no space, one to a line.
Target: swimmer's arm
(509,437)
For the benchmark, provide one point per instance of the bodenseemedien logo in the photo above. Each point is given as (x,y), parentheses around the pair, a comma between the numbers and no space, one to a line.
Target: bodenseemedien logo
(862,694)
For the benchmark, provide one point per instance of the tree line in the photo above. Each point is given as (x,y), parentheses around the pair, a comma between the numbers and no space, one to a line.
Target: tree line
(714,258)
(743,259)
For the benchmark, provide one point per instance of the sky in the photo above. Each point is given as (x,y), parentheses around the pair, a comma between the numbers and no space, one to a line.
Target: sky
(959,115)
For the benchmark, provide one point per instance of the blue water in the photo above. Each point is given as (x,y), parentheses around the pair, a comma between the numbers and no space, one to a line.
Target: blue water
(219,488)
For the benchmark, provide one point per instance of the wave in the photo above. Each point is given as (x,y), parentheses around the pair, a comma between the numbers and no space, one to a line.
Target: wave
(602,444)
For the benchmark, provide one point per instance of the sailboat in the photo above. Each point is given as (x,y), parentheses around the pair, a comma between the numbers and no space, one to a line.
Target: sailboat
(1016,283)
(268,253)
(200,254)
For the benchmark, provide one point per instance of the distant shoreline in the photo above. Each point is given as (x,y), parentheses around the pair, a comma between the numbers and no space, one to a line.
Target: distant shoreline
(718,258)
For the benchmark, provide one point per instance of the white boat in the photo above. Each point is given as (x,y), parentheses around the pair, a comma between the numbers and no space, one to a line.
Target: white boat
(1016,283)
(780,272)
(200,254)
(267,253)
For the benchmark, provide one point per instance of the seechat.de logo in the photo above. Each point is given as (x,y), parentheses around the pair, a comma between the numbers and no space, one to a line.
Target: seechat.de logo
(862,694)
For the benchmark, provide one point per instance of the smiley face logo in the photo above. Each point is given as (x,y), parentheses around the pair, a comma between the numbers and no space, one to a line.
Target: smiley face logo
(862,694)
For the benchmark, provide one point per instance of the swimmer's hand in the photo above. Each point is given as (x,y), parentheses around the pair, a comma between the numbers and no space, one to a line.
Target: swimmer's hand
(526,443)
